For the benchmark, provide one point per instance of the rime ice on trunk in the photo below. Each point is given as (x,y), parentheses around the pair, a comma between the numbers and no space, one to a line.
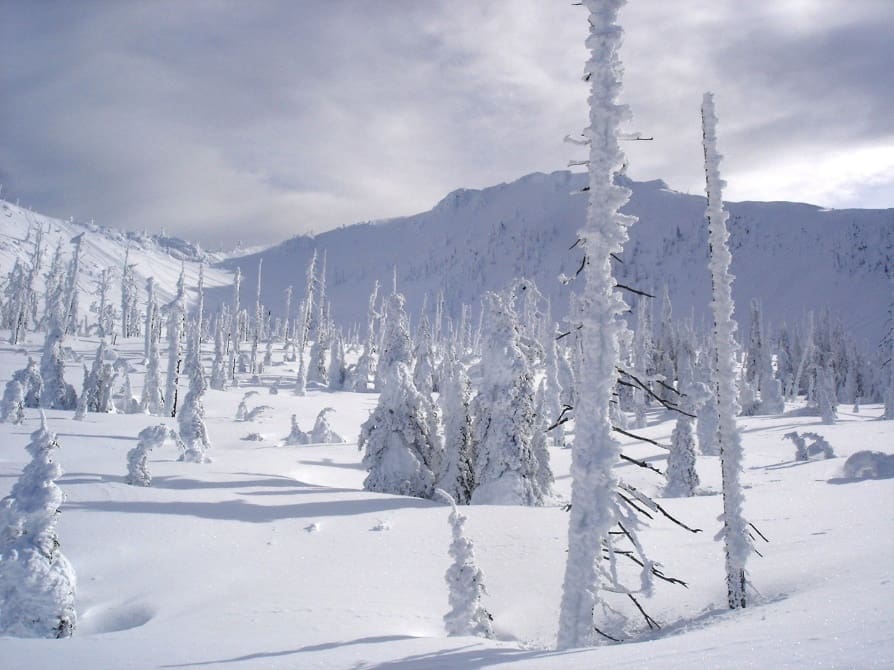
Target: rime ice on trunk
(595,450)
(734,532)
(149,438)
(176,310)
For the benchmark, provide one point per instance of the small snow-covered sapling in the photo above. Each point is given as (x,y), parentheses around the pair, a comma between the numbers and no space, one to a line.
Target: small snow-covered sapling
(138,458)
(322,432)
(465,583)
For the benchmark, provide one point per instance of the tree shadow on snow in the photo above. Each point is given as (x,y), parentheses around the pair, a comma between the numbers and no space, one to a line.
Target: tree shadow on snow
(329,463)
(70,478)
(288,652)
(470,657)
(240,510)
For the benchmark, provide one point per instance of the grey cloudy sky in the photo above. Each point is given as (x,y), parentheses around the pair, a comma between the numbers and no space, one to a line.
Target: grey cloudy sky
(255,121)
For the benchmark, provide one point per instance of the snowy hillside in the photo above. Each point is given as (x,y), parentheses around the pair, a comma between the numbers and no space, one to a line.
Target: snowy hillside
(274,556)
(153,256)
(794,257)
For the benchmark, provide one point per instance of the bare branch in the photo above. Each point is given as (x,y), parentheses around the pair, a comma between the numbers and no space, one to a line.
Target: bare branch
(649,620)
(638,437)
(641,464)
(624,287)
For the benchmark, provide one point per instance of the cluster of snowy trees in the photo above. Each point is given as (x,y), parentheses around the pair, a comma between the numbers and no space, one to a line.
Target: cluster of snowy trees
(489,447)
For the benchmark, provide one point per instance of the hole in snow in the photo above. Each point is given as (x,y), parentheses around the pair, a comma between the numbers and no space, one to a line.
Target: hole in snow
(111,619)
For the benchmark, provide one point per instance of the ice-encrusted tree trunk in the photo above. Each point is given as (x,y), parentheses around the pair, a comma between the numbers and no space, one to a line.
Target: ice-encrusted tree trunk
(234,327)
(256,332)
(151,316)
(465,583)
(599,308)
(37,583)
(553,389)
(735,529)
(176,310)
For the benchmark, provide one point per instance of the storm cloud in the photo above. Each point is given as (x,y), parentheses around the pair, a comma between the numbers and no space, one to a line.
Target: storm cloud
(255,121)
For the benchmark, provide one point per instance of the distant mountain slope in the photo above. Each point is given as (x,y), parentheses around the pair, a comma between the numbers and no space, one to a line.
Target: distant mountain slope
(794,257)
(156,255)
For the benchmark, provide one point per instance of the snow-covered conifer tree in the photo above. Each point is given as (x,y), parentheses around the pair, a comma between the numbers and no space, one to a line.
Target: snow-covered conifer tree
(37,583)
(599,308)
(735,530)
(122,390)
(218,380)
(338,371)
(56,393)
(465,583)
(682,478)
(31,381)
(825,394)
(366,364)
(70,324)
(191,417)
(457,471)
(424,367)
(152,400)
(54,297)
(399,449)
(504,424)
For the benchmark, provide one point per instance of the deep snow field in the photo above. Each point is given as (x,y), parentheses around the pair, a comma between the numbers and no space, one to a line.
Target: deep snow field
(274,557)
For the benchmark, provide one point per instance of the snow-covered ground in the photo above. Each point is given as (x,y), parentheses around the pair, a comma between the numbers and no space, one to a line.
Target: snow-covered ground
(274,556)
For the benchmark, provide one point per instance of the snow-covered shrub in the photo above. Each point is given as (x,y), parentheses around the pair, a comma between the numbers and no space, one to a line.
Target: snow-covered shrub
(322,432)
(296,436)
(804,451)
(12,407)
(869,465)
(148,439)
(37,583)
(56,393)
(252,437)
(31,382)
(465,583)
